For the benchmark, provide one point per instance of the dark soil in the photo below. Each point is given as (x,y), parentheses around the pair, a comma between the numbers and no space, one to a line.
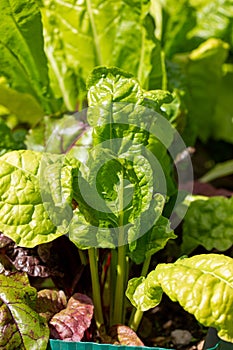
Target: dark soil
(166,318)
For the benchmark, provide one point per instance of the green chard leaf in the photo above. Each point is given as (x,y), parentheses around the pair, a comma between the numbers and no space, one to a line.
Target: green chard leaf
(152,241)
(116,188)
(178,20)
(204,74)
(141,296)
(103,188)
(203,285)
(222,122)
(209,223)
(120,108)
(214,19)
(198,77)
(20,325)
(23,61)
(23,196)
(81,36)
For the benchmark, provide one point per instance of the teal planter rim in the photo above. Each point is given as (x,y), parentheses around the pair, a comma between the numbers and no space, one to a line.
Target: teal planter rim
(55,344)
(215,346)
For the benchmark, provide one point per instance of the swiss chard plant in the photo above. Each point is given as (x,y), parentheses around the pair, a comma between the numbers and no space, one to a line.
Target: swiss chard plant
(91,98)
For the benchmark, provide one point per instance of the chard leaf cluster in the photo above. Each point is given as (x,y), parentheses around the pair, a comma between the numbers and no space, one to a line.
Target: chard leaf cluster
(133,64)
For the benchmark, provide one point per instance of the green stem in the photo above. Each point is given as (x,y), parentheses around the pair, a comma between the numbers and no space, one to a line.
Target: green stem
(135,319)
(83,257)
(121,262)
(96,289)
(164,71)
(145,266)
(136,315)
(112,283)
(120,287)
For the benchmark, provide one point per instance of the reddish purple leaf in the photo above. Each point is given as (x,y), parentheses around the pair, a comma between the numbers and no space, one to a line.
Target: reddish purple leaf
(50,302)
(35,262)
(71,323)
(124,335)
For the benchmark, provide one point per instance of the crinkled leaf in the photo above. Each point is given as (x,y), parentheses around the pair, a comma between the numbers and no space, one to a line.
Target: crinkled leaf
(49,302)
(24,217)
(23,61)
(115,188)
(151,242)
(141,296)
(113,85)
(203,285)
(119,108)
(40,261)
(21,326)
(56,188)
(28,260)
(110,194)
(209,223)
(159,96)
(124,335)
(115,98)
(71,323)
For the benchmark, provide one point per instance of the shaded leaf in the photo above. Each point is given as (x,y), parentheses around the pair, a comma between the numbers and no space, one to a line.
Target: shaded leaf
(21,327)
(209,223)
(204,76)
(219,170)
(28,260)
(50,302)
(214,19)
(71,323)
(23,105)
(36,262)
(8,142)
(223,116)
(177,22)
